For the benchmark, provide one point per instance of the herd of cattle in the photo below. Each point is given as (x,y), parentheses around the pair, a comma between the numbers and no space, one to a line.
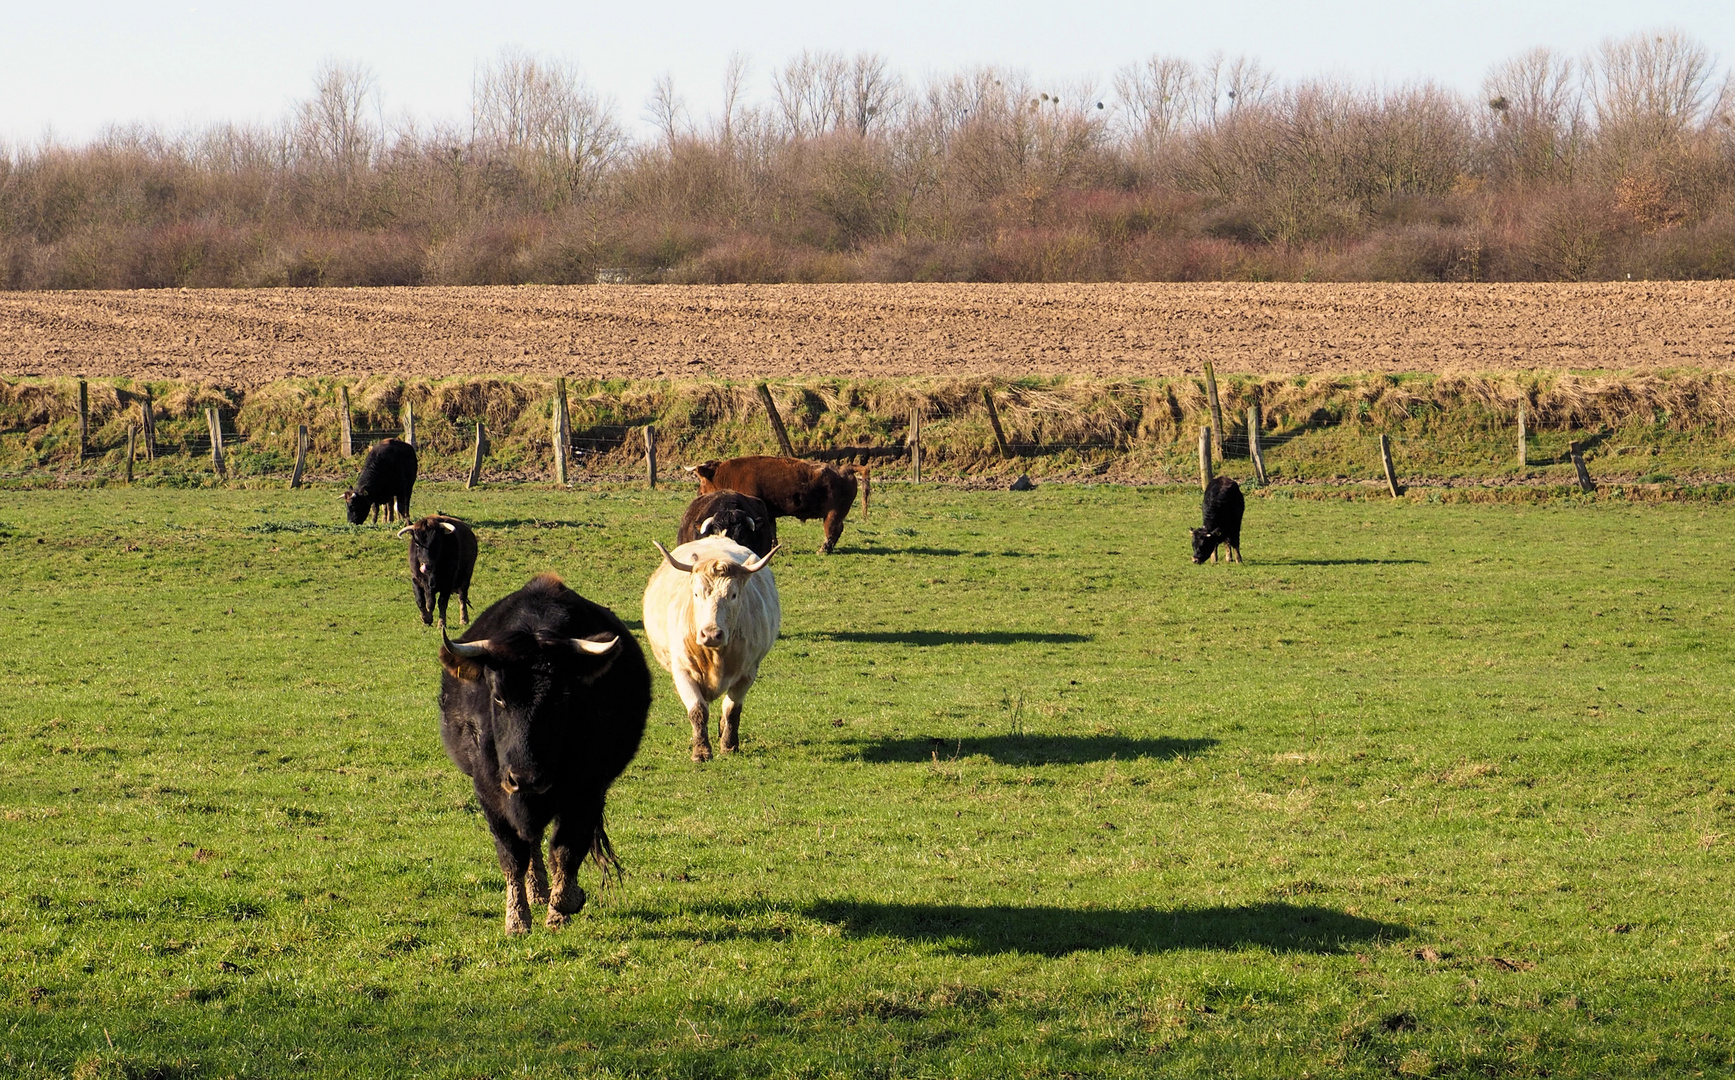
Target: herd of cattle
(544,697)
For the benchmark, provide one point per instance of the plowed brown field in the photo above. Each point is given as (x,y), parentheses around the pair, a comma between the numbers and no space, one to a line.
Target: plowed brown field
(248,337)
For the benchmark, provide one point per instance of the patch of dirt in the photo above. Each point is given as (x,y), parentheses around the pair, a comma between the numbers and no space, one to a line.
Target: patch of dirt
(252,337)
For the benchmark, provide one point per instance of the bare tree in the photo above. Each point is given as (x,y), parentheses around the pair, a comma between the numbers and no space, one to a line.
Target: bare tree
(1232,85)
(543,117)
(1650,89)
(1535,120)
(875,91)
(811,92)
(734,78)
(333,127)
(1160,98)
(666,108)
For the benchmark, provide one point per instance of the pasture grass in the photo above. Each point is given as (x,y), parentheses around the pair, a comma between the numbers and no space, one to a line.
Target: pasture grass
(1419,789)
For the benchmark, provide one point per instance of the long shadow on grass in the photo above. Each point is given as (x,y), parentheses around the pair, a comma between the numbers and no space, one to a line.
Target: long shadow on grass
(534,523)
(982,930)
(871,548)
(1344,562)
(925,638)
(1028,749)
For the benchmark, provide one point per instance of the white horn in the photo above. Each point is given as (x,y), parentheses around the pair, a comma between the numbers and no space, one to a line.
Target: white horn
(405,529)
(448,526)
(705,526)
(689,468)
(753,566)
(470,650)
(752,525)
(685,568)
(595,648)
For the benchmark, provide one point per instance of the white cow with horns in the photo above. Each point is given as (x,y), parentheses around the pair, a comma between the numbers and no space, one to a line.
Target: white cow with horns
(711,614)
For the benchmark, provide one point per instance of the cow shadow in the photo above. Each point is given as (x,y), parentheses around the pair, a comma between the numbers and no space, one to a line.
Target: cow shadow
(1027,749)
(870,548)
(1045,930)
(1346,562)
(929,638)
(534,523)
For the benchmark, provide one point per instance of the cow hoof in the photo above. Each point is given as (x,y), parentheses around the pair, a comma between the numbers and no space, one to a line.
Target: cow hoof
(518,922)
(701,753)
(565,907)
(536,887)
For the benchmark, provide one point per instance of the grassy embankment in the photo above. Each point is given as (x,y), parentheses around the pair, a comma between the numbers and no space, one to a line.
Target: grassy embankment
(1435,789)
(1674,428)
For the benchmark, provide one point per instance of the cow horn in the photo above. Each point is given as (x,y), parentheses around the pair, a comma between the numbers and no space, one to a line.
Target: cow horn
(405,529)
(469,650)
(448,526)
(705,526)
(753,524)
(753,566)
(689,468)
(685,568)
(595,648)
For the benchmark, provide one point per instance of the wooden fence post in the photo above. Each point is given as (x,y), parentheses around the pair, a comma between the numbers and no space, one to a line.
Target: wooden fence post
(149,422)
(1386,459)
(410,423)
(1585,484)
(560,433)
(344,446)
(300,455)
(132,438)
(1216,411)
(1253,423)
(994,422)
(1523,457)
(1204,458)
(83,418)
(777,427)
(215,425)
(651,455)
(916,444)
(476,462)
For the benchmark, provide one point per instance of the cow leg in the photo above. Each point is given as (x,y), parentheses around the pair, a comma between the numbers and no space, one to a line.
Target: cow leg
(833,531)
(698,714)
(729,729)
(574,831)
(515,859)
(444,597)
(536,879)
(464,604)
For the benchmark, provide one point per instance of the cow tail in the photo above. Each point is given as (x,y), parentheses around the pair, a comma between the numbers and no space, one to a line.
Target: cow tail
(606,860)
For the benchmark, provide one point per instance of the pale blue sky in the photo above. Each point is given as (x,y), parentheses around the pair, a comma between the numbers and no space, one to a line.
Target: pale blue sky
(75,66)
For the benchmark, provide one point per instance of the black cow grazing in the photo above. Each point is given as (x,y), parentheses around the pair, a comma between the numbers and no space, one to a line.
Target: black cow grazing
(741,518)
(442,558)
(1224,506)
(542,704)
(388,474)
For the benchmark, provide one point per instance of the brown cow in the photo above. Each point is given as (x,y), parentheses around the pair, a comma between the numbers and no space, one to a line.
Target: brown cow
(791,487)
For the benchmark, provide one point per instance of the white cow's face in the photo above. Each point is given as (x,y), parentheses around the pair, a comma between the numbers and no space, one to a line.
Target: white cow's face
(716,588)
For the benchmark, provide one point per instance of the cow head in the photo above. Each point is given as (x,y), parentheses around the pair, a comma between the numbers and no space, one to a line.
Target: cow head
(737,525)
(1205,543)
(427,540)
(529,679)
(706,471)
(359,503)
(717,585)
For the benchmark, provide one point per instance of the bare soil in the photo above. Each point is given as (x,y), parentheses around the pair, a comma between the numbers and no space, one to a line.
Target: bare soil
(251,337)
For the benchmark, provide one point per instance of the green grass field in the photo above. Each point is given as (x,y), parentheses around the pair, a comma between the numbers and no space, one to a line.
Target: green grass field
(1419,789)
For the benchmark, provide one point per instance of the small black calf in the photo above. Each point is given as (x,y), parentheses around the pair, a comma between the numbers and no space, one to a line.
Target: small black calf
(442,559)
(1224,506)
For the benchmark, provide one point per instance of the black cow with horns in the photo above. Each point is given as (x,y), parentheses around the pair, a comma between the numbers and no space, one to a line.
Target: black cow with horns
(741,518)
(543,704)
(442,561)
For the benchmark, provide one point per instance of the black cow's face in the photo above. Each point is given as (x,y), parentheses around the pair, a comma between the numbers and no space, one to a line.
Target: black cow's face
(734,524)
(1205,543)
(529,698)
(359,504)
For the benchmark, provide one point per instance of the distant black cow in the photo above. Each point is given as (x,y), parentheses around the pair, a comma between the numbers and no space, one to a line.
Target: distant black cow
(741,518)
(442,558)
(542,705)
(388,475)
(1224,506)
